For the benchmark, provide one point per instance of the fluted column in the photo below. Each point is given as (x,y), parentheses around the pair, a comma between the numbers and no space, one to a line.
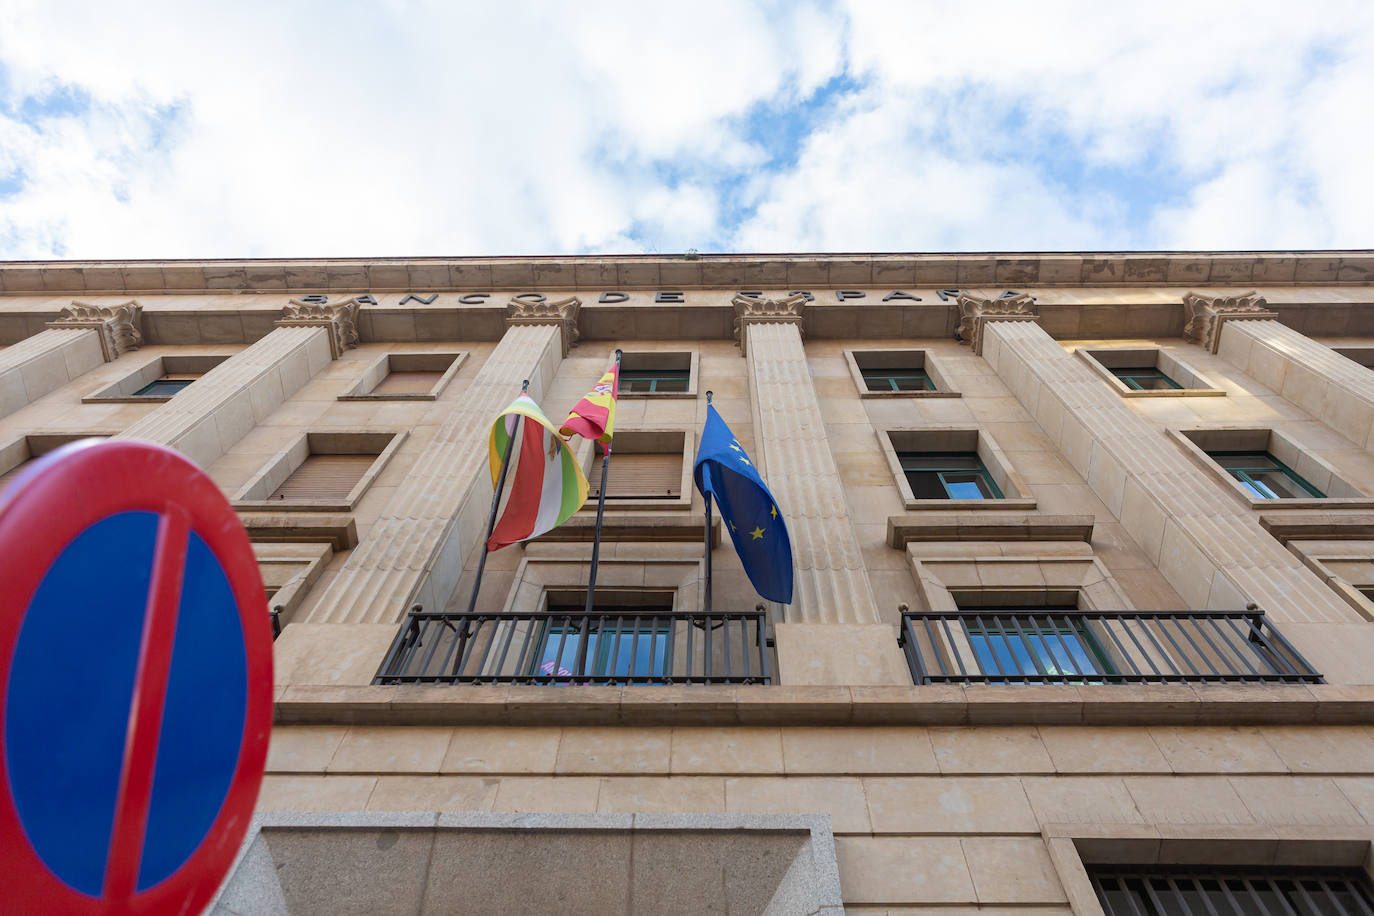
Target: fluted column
(1210,546)
(222,406)
(83,337)
(1244,332)
(414,552)
(831,581)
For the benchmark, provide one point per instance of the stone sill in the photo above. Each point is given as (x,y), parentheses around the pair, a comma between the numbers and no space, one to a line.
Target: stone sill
(1173,704)
(340,531)
(1008,504)
(388,397)
(905,529)
(1174,393)
(910,394)
(616,526)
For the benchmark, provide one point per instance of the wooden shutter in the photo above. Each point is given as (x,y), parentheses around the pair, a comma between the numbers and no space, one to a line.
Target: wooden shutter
(417,382)
(325,478)
(639,476)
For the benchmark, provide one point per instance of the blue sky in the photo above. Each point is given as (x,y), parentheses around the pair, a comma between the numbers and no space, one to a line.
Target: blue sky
(419,127)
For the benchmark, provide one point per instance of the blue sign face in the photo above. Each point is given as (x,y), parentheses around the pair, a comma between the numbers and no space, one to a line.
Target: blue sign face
(72,686)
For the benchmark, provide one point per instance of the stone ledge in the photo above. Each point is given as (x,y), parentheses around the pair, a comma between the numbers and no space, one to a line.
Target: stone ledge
(1357,526)
(719,271)
(340,531)
(1172,704)
(903,529)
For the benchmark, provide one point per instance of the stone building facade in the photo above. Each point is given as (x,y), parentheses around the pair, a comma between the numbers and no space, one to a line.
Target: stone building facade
(1084,551)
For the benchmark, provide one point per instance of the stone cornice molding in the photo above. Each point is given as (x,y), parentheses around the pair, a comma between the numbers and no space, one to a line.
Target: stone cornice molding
(561,312)
(118,326)
(341,318)
(1208,314)
(977,311)
(752,310)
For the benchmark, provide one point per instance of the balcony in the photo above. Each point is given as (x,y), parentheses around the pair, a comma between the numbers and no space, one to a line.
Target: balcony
(989,646)
(570,649)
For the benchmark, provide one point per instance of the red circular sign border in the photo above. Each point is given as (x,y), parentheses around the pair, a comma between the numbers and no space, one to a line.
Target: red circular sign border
(43,510)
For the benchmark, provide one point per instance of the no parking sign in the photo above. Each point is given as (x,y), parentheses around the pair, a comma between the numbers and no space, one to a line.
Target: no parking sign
(135,683)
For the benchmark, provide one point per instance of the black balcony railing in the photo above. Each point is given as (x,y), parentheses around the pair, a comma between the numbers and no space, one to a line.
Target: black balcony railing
(574,649)
(1098,647)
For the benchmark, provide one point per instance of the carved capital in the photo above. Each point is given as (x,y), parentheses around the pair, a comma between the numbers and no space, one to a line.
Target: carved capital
(341,318)
(976,311)
(751,310)
(562,312)
(118,325)
(1207,314)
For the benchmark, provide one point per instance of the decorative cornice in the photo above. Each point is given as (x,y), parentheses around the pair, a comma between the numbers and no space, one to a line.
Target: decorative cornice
(976,311)
(752,310)
(340,317)
(1207,315)
(538,310)
(117,325)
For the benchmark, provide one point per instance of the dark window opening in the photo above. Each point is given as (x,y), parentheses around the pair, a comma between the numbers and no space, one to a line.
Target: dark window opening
(654,381)
(948,475)
(628,641)
(1206,891)
(167,386)
(1146,378)
(888,379)
(1037,644)
(1264,476)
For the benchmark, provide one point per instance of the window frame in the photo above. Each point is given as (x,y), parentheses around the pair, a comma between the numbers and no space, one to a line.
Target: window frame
(953,439)
(1244,474)
(1087,643)
(1129,376)
(256,492)
(125,389)
(979,469)
(688,359)
(642,440)
(1106,361)
(905,360)
(1200,442)
(375,373)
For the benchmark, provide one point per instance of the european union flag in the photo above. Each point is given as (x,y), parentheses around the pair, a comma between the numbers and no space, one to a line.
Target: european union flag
(747,508)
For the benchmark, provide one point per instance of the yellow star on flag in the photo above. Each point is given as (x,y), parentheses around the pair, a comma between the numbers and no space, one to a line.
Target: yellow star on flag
(757,534)
(774,512)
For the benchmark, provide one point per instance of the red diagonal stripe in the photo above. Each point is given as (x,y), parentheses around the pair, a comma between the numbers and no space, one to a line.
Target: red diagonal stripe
(145,713)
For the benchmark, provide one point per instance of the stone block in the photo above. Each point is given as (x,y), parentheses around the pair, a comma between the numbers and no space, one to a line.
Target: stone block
(990,750)
(740,749)
(614,750)
(841,799)
(858,751)
(1012,870)
(903,870)
(390,749)
(956,805)
(496,749)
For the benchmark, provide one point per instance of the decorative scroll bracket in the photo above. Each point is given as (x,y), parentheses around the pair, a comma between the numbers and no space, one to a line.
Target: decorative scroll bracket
(340,317)
(753,310)
(977,311)
(1208,314)
(118,326)
(562,312)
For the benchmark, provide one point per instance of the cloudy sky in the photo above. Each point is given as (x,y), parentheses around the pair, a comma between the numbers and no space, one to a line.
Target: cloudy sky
(297,129)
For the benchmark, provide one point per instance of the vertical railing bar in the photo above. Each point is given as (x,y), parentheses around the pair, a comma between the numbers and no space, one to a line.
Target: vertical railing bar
(425,627)
(1326,886)
(469,642)
(1201,892)
(935,646)
(529,646)
(634,645)
(1312,904)
(1271,637)
(1120,646)
(668,646)
(1182,657)
(1144,655)
(486,653)
(1202,656)
(744,649)
(615,645)
(978,619)
(1245,653)
(706,639)
(1158,905)
(762,640)
(1021,635)
(1163,653)
(505,644)
(1222,653)
(1124,882)
(725,646)
(913,650)
(691,656)
(1273,887)
(1230,897)
(1054,631)
(558,653)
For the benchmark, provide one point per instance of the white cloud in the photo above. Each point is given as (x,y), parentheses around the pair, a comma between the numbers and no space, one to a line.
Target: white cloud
(430,127)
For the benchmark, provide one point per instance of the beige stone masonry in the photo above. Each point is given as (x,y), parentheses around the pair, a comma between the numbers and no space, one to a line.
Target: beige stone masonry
(81,339)
(414,552)
(224,405)
(1336,390)
(831,583)
(1211,548)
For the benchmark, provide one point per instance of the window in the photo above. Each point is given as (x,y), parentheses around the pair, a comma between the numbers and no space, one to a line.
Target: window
(321,470)
(897,373)
(878,379)
(948,475)
(653,381)
(626,642)
(638,476)
(1145,378)
(405,377)
(653,373)
(1264,476)
(15,456)
(1035,644)
(167,386)
(1196,891)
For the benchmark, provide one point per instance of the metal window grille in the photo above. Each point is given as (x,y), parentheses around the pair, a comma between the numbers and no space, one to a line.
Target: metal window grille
(1213,891)
(1098,647)
(568,649)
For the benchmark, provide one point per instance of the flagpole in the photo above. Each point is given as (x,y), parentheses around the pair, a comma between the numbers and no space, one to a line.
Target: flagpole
(596,536)
(707,604)
(496,502)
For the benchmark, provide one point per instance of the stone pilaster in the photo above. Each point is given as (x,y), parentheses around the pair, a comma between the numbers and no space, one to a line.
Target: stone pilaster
(220,408)
(831,582)
(83,337)
(414,552)
(1336,390)
(1210,546)
(976,311)
(1208,315)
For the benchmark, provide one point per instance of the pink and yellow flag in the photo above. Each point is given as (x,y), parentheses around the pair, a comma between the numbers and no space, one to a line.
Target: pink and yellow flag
(593,417)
